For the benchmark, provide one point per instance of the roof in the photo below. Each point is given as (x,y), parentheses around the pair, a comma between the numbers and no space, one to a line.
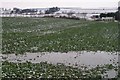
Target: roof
(107,17)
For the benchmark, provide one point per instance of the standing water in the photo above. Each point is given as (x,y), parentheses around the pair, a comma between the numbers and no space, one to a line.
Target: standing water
(75,59)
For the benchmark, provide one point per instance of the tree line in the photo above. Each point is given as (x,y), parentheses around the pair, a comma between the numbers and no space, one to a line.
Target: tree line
(20,11)
(115,15)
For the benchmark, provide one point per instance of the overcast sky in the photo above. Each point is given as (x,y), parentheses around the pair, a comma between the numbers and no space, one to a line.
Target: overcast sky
(59,3)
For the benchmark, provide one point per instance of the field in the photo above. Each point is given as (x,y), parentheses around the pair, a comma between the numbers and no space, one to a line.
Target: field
(44,70)
(21,35)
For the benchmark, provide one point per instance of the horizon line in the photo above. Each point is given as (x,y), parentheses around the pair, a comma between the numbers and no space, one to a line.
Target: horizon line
(63,7)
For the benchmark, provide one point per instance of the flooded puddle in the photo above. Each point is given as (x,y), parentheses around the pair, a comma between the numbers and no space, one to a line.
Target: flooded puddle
(75,59)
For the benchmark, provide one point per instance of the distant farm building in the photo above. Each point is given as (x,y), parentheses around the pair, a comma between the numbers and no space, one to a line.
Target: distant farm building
(108,19)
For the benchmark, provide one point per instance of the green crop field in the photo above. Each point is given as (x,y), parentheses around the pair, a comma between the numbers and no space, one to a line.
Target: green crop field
(44,70)
(22,35)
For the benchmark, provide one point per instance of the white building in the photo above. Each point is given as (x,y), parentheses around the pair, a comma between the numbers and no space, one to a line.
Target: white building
(108,19)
